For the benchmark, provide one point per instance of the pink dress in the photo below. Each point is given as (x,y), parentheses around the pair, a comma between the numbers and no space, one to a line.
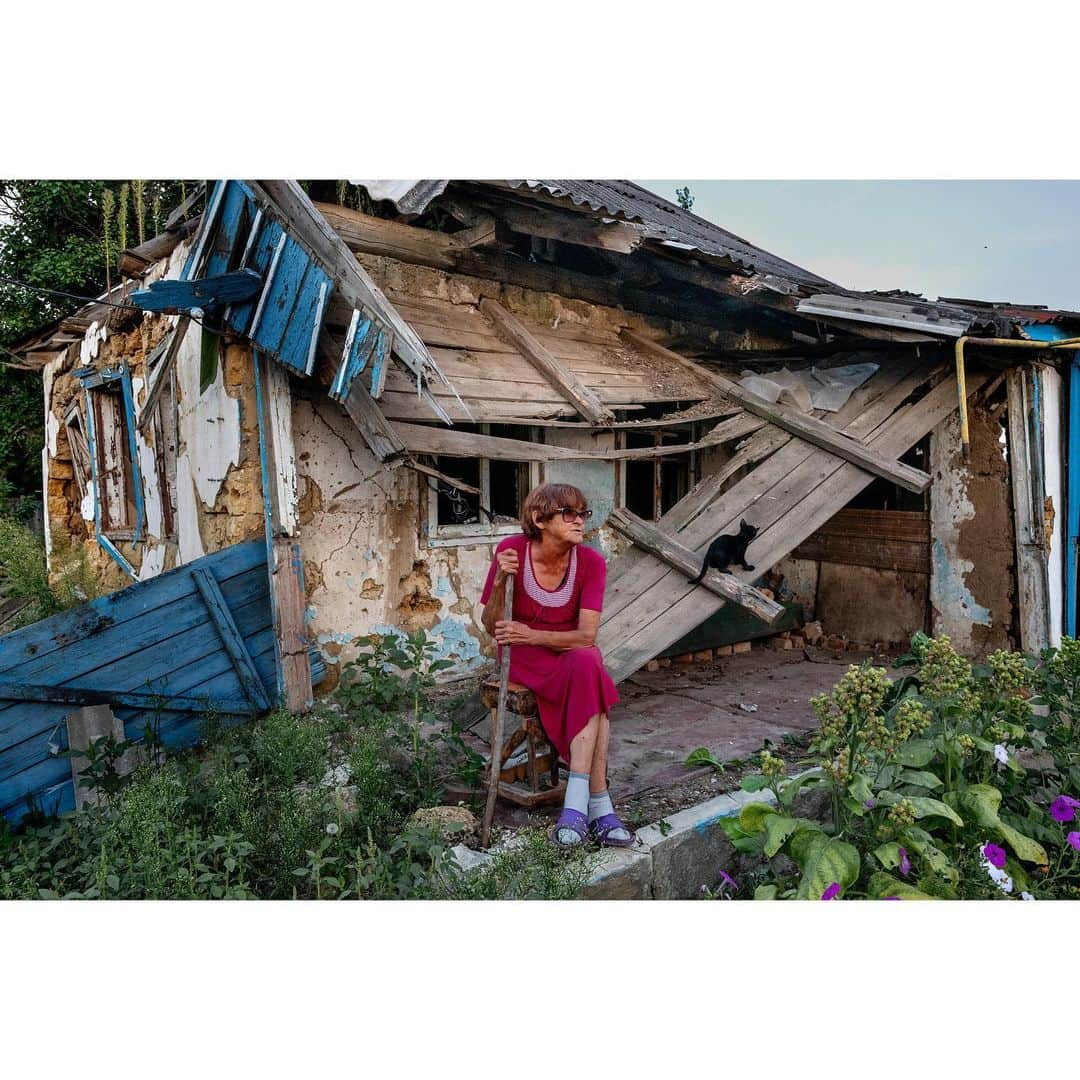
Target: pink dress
(571,687)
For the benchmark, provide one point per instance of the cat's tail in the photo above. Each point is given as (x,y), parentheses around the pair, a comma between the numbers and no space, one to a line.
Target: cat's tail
(704,567)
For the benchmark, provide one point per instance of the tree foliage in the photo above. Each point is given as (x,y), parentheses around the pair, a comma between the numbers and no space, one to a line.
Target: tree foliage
(51,236)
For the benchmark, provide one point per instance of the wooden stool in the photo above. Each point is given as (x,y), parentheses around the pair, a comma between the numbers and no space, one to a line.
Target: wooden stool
(522,783)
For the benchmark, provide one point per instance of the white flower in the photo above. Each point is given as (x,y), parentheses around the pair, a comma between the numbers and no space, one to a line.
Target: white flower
(1001,753)
(332,828)
(999,877)
(1026,896)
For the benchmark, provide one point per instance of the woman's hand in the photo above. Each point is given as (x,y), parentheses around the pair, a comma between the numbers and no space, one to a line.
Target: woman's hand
(512,633)
(508,562)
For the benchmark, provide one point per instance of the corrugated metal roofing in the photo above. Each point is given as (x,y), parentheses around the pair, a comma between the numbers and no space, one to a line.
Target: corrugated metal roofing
(669,223)
(658,220)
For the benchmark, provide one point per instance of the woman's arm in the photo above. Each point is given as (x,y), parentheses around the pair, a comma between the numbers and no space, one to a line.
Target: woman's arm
(507,560)
(517,633)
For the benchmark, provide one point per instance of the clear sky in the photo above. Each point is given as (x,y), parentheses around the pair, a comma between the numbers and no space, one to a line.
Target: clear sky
(1016,240)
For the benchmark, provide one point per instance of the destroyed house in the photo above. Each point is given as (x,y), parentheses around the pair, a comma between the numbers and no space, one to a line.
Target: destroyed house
(309,412)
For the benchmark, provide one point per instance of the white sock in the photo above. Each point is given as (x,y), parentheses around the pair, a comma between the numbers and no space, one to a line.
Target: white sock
(599,805)
(577,798)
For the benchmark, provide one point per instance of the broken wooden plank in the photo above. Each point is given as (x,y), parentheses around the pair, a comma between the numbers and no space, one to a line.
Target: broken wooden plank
(231,638)
(173,295)
(427,470)
(671,552)
(786,513)
(159,374)
(352,281)
(556,373)
(802,426)
(378,432)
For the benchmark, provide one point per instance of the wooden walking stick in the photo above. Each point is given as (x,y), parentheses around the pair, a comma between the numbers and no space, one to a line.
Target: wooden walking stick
(500,717)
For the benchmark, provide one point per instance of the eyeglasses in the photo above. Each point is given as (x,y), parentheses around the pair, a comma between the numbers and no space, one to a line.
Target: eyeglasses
(570,515)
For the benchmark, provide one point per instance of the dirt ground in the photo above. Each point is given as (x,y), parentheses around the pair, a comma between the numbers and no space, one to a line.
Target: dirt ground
(732,706)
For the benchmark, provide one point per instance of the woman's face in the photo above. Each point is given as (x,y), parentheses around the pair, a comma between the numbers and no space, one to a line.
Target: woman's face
(566,532)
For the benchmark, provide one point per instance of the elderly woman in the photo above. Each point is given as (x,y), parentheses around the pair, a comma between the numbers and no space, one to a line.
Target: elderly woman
(556,612)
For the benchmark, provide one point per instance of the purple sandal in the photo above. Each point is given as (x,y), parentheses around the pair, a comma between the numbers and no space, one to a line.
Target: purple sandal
(576,822)
(602,828)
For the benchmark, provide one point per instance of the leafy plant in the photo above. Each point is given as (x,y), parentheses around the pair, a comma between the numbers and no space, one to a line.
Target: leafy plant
(925,790)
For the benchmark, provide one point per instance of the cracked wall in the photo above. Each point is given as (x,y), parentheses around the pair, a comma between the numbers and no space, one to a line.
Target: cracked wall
(972,551)
(365,566)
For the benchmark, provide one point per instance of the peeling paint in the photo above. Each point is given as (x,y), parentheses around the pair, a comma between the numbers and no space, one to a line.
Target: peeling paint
(949,590)
(209,422)
(153,561)
(92,341)
(187,514)
(456,643)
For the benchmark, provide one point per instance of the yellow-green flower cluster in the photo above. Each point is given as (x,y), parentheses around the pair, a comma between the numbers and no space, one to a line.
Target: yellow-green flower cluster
(771,765)
(902,814)
(856,698)
(911,718)
(966,744)
(944,674)
(1009,671)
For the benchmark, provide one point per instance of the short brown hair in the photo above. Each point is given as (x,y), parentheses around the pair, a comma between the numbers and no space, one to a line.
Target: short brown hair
(545,500)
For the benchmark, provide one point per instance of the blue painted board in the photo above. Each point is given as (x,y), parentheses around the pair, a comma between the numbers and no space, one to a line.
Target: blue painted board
(109,615)
(259,259)
(105,646)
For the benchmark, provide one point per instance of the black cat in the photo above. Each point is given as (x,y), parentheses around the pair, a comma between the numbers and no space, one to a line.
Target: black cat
(725,550)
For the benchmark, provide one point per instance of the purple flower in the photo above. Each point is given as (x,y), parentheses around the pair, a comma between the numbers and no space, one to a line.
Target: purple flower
(870,804)
(728,880)
(1064,808)
(1073,840)
(905,863)
(994,855)
(832,892)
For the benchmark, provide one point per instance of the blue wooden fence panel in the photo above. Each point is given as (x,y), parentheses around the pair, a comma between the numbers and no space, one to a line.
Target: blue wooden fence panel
(156,637)
(284,321)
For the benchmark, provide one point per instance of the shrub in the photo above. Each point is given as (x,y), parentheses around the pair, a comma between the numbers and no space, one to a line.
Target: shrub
(928,796)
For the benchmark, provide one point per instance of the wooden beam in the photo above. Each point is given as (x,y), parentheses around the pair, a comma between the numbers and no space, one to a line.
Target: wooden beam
(160,374)
(351,279)
(428,439)
(134,262)
(231,638)
(804,427)
(377,236)
(555,371)
(670,551)
(569,228)
(72,695)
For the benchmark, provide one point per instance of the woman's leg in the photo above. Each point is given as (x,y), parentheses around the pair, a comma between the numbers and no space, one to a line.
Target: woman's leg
(599,800)
(582,752)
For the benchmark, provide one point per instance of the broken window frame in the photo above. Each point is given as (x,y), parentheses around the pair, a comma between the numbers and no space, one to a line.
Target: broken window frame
(78,447)
(690,432)
(116,470)
(485,530)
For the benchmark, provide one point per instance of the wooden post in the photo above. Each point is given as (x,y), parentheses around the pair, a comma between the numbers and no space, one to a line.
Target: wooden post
(1024,469)
(498,720)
